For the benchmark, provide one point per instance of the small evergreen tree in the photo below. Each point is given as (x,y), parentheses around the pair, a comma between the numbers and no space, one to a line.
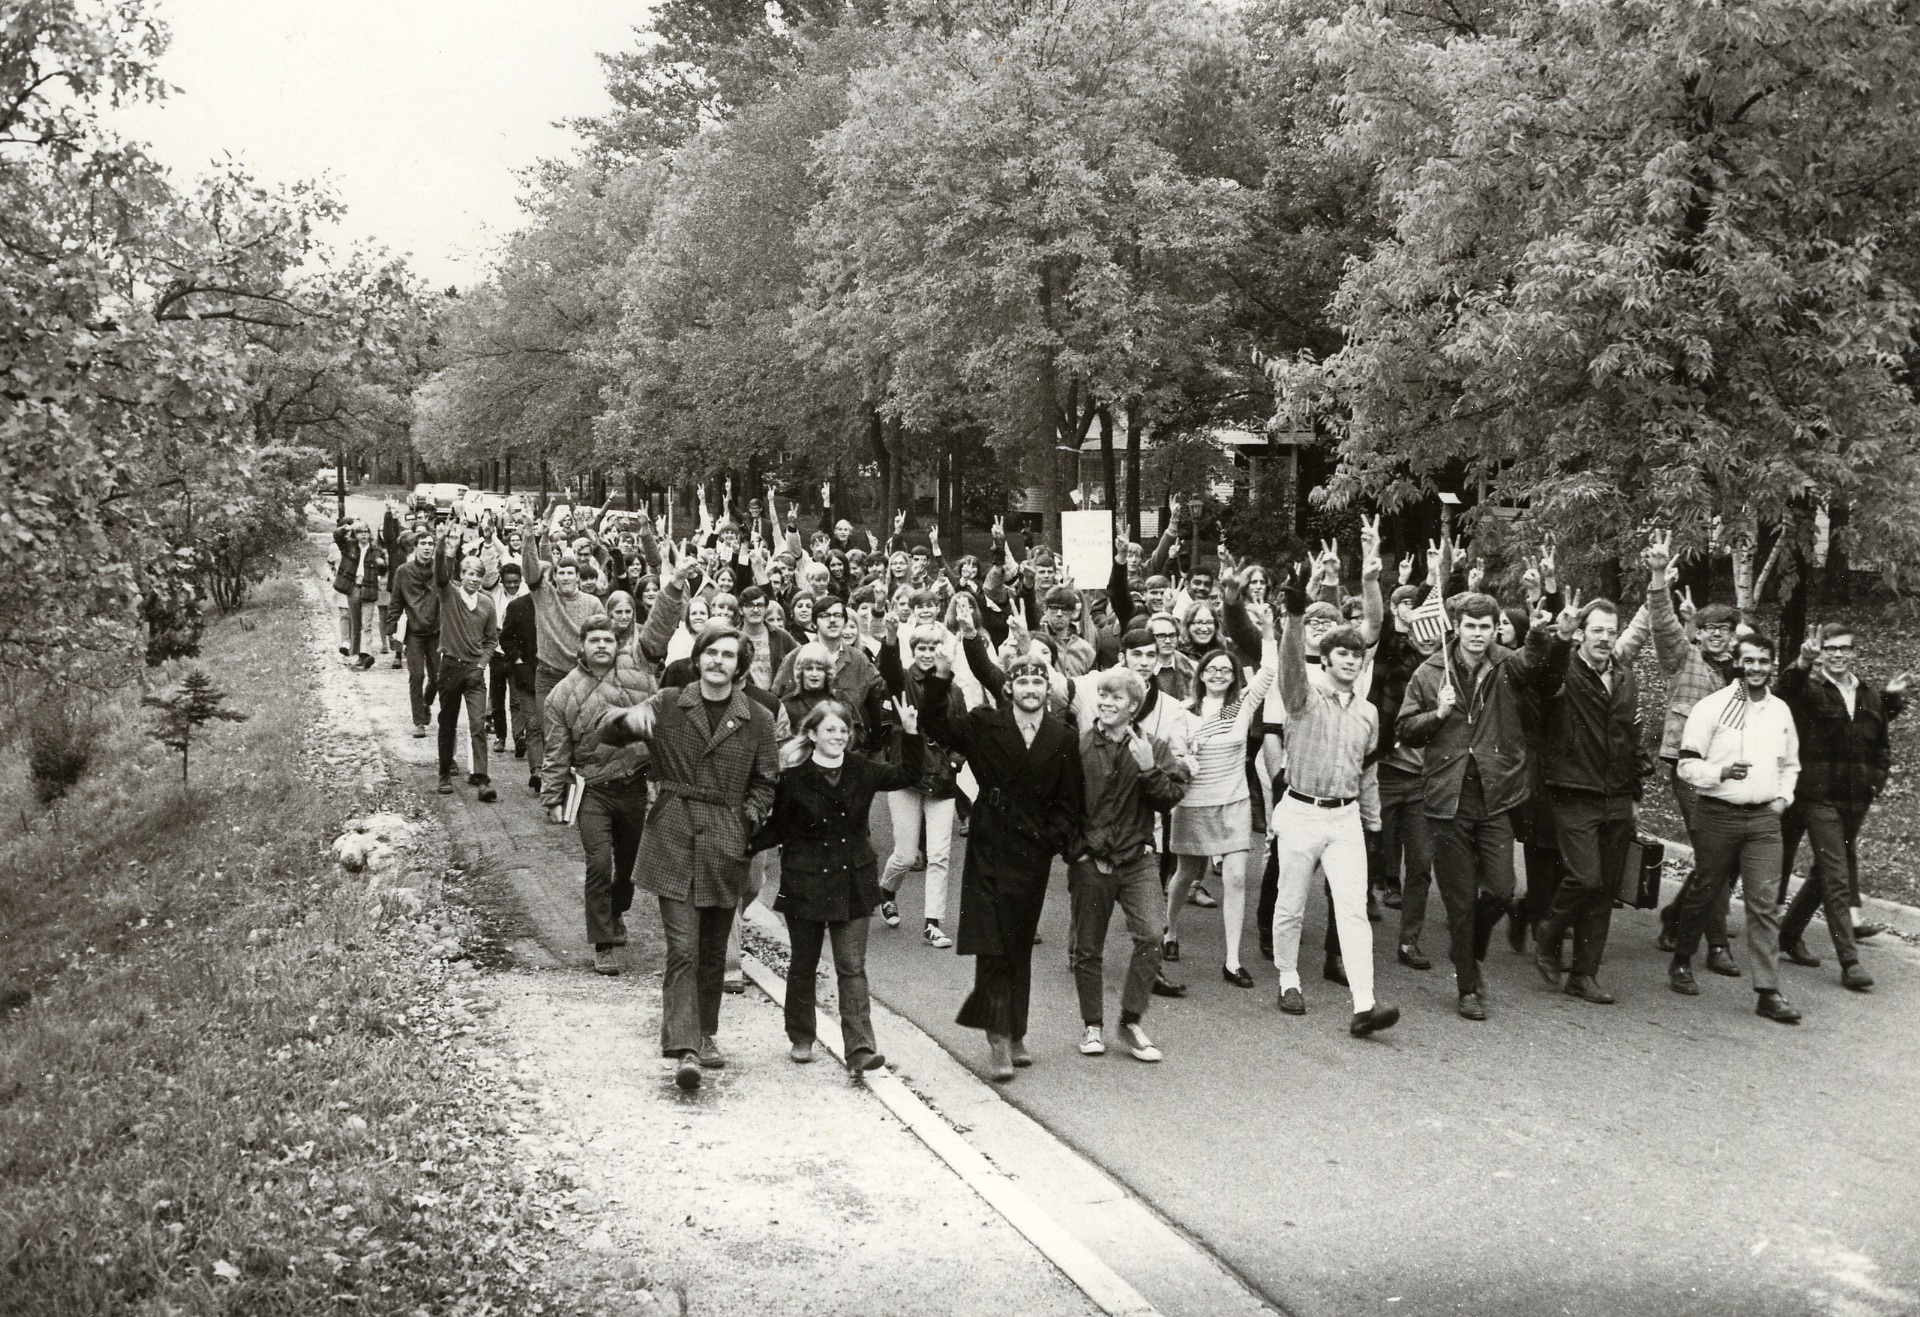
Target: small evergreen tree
(189,706)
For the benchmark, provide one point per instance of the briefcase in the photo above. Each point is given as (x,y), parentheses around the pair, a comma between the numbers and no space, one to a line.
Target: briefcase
(1639,884)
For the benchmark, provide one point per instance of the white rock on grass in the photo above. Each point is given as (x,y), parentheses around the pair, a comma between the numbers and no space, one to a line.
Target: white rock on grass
(372,844)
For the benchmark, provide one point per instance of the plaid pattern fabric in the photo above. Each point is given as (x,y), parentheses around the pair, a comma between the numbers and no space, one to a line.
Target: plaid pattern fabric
(1690,677)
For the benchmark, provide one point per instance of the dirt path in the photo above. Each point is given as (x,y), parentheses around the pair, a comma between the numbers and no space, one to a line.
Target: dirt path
(774,1189)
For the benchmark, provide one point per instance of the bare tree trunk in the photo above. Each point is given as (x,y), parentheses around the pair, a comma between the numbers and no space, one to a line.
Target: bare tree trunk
(1135,436)
(1839,582)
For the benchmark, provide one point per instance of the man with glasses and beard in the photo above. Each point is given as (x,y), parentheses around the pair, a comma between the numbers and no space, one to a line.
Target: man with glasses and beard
(1844,759)
(1029,806)
(1740,753)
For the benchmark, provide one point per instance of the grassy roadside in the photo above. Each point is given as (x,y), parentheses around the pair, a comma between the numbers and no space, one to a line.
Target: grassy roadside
(225,1086)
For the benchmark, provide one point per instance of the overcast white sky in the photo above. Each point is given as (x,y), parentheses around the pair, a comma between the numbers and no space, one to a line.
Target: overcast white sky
(421,111)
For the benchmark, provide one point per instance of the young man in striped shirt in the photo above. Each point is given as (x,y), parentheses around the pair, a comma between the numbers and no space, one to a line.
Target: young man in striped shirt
(1330,730)
(1741,754)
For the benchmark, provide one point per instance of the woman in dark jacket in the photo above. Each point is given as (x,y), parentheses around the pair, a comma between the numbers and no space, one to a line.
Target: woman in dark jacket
(829,882)
(932,800)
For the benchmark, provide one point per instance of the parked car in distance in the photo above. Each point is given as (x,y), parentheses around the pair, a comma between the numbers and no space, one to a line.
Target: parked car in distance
(421,499)
(483,500)
(327,478)
(446,497)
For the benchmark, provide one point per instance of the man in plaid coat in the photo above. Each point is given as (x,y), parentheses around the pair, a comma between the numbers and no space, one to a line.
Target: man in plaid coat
(714,764)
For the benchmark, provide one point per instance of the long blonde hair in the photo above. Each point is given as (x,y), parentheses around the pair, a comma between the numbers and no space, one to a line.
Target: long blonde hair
(796,751)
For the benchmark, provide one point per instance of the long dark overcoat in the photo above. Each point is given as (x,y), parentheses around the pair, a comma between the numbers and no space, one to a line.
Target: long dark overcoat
(711,793)
(1031,800)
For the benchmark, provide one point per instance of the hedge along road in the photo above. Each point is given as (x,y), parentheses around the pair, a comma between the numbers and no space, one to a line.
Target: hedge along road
(1662,1155)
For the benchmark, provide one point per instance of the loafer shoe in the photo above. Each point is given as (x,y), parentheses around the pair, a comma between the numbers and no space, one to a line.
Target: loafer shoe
(1868,929)
(1292,1003)
(863,1060)
(1166,987)
(1392,898)
(1411,957)
(1775,1007)
(1372,1020)
(1796,951)
(1852,976)
(1720,961)
(1587,988)
(1201,897)
(1471,1007)
(1680,979)
(1239,978)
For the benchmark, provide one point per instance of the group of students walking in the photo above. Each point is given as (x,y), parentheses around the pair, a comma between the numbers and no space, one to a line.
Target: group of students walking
(1156,736)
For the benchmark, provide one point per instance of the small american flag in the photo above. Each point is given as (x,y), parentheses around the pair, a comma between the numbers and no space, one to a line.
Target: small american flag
(1734,714)
(1429,622)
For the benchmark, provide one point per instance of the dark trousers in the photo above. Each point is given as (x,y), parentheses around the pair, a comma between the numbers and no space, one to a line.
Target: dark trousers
(1135,886)
(1730,842)
(497,701)
(1834,884)
(1545,869)
(696,973)
(423,673)
(1407,847)
(463,686)
(1595,832)
(1003,984)
(1685,797)
(849,938)
(1269,897)
(1473,864)
(612,815)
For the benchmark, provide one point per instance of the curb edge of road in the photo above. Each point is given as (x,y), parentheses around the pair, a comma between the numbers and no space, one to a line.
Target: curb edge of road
(1056,1243)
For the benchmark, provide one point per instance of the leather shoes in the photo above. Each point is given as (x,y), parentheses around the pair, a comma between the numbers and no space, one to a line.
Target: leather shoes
(710,1056)
(1774,1007)
(1796,951)
(1000,1057)
(1720,961)
(1335,971)
(1018,1049)
(1166,987)
(1680,979)
(1587,988)
(1471,1007)
(1392,899)
(1170,950)
(1292,1003)
(1852,976)
(1868,929)
(687,1073)
(1375,1018)
(1410,957)
(1239,978)
(1546,959)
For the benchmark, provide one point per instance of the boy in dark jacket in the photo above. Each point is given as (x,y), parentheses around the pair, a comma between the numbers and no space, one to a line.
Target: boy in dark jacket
(1844,758)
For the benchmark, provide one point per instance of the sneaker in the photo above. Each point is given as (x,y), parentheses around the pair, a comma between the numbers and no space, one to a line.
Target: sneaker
(934,938)
(619,931)
(891,913)
(1138,1044)
(446,784)
(1201,897)
(519,749)
(1091,1043)
(687,1073)
(603,962)
(709,1055)
(1170,950)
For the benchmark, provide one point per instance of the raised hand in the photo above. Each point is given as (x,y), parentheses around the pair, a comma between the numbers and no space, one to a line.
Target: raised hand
(1659,554)
(1142,750)
(1120,549)
(1549,571)
(1370,564)
(1810,650)
(1898,686)
(899,521)
(999,530)
(909,713)
(1569,620)
(1369,536)
(873,542)
(1686,605)
(933,540)
(1406,570)
(1433,560)
(1477,575)
(1530,581)
(826,493)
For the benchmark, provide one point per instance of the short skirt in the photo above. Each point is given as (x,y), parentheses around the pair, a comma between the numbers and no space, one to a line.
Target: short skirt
(1211,829)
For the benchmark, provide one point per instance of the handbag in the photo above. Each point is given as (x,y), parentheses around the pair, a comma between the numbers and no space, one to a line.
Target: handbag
(1639,882)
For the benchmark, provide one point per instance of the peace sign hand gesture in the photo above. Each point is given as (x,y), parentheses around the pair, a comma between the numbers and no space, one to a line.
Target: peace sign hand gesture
(909,715)
(1659,555)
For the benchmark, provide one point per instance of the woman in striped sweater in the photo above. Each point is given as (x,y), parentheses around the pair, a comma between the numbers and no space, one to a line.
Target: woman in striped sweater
(1215,818)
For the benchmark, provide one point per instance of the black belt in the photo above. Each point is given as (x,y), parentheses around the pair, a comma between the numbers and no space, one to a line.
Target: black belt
(1324,802)
(631,779)
(1734,804)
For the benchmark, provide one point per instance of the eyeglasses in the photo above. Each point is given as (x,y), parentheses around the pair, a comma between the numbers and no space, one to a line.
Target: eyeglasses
(1836,649)
(1216,670)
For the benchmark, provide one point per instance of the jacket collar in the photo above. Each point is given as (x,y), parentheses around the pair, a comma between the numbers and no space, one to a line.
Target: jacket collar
(739,712)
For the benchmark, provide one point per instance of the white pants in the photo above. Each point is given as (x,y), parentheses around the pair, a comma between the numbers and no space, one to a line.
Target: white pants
(1330,839)
(909,808)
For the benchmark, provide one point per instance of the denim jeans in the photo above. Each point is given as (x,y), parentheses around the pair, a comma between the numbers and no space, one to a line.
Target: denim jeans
(1730,841)
(1595,832)
(611,818)
(1834,883)
(423,673)
(1686,798)
(1407,839)
(1135,885)
(849,938)
(1473,863)
(696,972)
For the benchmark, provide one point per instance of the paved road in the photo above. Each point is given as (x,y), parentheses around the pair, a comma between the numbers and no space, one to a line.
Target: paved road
(1664,1155)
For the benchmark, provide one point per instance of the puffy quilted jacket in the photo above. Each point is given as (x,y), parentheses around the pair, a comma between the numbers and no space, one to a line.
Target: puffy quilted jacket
(577,708)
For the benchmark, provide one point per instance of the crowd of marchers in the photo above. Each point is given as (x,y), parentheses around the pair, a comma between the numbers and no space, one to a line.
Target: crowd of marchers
(717,714)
